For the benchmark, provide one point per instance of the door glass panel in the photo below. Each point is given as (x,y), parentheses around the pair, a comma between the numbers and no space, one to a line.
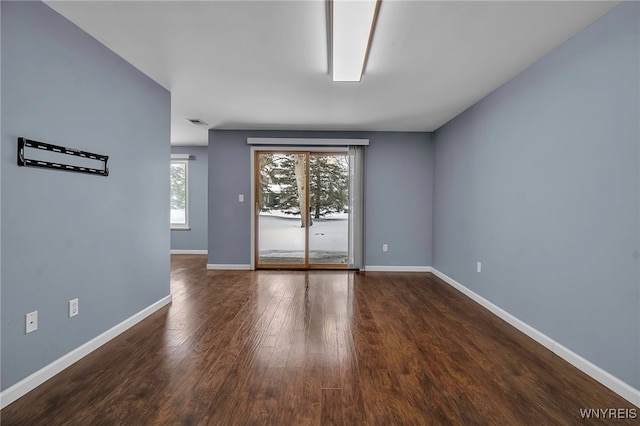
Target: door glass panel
(328,202)
(281,209)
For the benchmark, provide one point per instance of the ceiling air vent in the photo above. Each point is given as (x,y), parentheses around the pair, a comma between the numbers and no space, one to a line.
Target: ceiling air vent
(197,122)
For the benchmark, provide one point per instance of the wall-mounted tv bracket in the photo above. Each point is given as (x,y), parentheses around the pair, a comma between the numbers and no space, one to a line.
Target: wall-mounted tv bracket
(22,161)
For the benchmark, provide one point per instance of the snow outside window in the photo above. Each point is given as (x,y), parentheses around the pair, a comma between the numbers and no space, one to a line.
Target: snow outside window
(179,194)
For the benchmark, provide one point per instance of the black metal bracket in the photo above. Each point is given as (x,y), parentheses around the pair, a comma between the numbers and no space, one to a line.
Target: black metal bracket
(22,161)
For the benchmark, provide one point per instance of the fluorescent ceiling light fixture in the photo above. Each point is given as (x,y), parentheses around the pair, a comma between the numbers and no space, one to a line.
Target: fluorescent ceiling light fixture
(352,24)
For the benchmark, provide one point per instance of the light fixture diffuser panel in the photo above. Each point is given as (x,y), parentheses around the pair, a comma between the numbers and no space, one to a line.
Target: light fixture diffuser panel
(352,26)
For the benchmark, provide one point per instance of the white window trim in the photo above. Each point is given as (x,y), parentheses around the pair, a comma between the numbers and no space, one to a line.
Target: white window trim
(183,159)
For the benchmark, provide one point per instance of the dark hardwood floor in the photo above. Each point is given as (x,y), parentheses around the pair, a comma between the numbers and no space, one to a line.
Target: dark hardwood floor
(317,347)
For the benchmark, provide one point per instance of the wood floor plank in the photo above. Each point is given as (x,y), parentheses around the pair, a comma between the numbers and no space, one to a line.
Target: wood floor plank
(315,347)
(332,407)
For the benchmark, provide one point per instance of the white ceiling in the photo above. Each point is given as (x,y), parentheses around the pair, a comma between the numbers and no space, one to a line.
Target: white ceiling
(263,64)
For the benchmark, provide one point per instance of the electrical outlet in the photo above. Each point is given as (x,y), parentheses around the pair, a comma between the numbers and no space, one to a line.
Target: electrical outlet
(32,321)
(73,308)
(241,198)
(385,247)
(479,267)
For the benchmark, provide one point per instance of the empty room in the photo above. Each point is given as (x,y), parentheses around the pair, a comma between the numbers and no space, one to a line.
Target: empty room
(319,212)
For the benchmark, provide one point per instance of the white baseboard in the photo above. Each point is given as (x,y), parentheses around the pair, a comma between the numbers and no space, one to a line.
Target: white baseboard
(229,266)
(391,268)
(623,389)
(189,251)
(32,381)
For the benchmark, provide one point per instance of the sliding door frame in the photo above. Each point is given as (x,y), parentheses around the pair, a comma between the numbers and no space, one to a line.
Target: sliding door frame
(309,150)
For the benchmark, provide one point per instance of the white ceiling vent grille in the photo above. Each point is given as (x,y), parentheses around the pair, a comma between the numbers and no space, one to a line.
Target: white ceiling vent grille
(197,122)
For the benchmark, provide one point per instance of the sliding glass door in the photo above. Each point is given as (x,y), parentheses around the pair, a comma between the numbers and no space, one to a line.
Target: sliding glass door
(301,209)
(280,219)
(328,202)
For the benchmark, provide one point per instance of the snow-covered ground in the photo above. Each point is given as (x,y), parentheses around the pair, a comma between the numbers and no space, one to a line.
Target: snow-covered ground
(280,213)
(281,237)
(177,216)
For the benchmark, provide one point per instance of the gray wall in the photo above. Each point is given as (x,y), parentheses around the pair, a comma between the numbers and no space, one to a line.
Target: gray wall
(1,129)
(540,182)
(196,237)
(398,194)
(398,199)
(104,240)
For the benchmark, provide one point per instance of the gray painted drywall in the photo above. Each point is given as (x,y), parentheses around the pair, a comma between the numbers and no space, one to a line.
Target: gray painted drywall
(0,196)
(398,195)
(398,199)
(104,240)
(196,237)
(540,182)
(229,220)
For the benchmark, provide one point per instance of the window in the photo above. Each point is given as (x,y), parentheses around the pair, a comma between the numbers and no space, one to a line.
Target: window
(179,192)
